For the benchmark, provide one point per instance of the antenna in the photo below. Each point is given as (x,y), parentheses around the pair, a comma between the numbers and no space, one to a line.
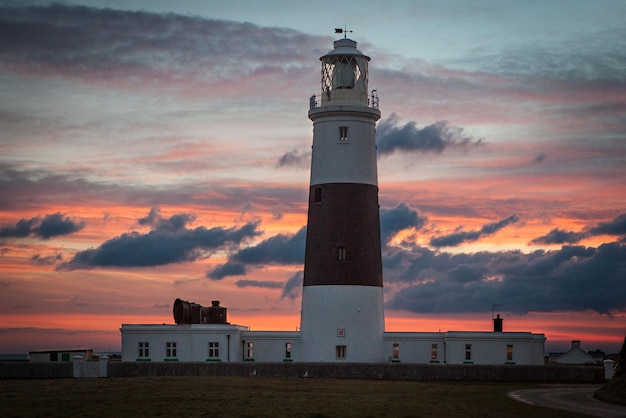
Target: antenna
(493,307)
(344,31)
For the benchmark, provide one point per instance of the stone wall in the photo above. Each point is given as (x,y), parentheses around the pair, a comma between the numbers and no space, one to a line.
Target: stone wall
(504,373)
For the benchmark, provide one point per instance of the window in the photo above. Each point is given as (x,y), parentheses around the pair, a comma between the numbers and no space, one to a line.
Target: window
(396,351)
(170,349)
(214,349)
(144,349)
(342,253)
(317,197)
(433,352)
(341,332)
(250,351)
(54,356)
(340,352)
(343,133)
(468,352)
(509,352)
(287,350)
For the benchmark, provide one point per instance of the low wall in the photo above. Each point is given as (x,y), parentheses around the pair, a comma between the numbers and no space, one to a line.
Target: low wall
(510,373)
(35,370)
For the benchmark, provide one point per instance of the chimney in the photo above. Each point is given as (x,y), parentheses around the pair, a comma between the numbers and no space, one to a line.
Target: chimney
(497,324)
(576,344)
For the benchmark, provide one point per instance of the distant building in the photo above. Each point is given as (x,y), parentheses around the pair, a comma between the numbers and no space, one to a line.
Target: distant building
(60,355)
(342,315)
(576,355)
(13,357)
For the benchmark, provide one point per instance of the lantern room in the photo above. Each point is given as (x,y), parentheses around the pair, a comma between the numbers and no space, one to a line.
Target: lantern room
(344,75)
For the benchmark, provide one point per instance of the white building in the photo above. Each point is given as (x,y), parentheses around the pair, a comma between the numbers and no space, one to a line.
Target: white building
(342,317)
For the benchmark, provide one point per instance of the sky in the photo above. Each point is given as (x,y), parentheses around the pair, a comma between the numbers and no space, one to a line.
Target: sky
(154,150)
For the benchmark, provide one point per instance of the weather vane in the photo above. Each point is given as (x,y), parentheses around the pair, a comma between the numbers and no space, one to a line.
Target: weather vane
(344,31)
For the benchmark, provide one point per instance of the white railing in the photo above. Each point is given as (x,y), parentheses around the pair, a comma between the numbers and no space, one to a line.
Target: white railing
(316,100)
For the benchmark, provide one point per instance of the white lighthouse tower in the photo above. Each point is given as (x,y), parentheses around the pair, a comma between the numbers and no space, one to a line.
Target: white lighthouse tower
(342,296)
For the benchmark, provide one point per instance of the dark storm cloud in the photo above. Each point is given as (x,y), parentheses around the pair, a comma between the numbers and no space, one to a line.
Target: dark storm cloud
(574,278)
(397,219)
(259,283)
(173,223)
(391,137)
(616,227)
(294,158)
(51,225)
(558,236)
(227,269)
(293,287)
(280,249)
(88,43)
(457,238)
(164,244)
(56,224)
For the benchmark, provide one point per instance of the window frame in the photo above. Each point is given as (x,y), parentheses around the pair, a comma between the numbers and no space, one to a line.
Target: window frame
(214,349)
(341,352)
(250,350)
(509,353)
(468,352)
(343,134)
(143,349)
(288,350)
(342,253)
(171,349)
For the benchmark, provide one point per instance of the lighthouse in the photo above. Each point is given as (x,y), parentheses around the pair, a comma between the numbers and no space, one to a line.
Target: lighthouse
(342,317)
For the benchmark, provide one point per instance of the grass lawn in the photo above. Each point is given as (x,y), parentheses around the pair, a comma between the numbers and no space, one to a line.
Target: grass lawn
(260,397)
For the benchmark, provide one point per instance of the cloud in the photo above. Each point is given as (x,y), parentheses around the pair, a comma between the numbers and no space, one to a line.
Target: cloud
(174,223)
(574,278)
(397,219)
(117,46)
(435,138)
(293,287)
(169,242)
(294,158)
(457,238)
(280,249)
(539,158)
(48,260)
(559,236)
(227,269)
(616,227)
(259,283)
(50,226)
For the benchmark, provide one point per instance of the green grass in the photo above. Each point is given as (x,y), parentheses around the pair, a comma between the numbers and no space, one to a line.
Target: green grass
(260,397)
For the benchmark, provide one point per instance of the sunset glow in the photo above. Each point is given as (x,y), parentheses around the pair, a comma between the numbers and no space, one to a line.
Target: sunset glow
(159,150)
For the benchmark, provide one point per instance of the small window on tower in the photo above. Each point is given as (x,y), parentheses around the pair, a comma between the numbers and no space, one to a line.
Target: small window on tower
(340,352)
(317,197)
(342,253)
(343,134)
